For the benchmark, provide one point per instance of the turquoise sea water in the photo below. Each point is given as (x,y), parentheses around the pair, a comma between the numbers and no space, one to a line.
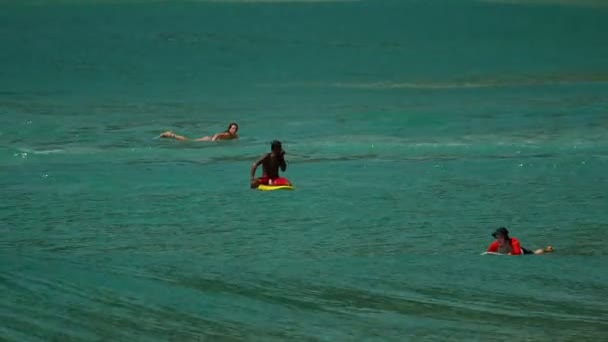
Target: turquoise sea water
(413,129)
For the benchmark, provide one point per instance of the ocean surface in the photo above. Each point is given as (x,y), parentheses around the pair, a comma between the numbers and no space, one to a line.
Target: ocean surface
(413,130)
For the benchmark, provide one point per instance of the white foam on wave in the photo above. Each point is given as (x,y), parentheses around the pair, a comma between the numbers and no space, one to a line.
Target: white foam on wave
(31,151)
(70,150)
(376,142)
(481,142)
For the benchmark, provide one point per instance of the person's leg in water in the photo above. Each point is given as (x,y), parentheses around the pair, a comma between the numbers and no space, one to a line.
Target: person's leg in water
(539,251)
(169,134)
(280,181)
(259,181)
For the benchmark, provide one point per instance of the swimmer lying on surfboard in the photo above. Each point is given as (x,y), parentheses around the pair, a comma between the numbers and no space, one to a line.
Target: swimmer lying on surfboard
(229,134)
(510,245)
(271,162)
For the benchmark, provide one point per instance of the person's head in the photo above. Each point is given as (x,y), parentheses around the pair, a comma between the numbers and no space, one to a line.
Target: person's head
(276,146)
(233,127)
(502,235)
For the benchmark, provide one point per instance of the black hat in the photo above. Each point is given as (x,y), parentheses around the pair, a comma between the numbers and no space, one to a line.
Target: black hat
(501,231)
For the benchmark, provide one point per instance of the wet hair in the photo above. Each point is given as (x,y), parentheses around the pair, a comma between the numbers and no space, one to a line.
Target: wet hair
(502,231)
(232,124)
(276,145)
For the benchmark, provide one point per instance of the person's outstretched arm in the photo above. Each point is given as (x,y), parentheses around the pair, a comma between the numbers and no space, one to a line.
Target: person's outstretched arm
(254,167)
(219,136)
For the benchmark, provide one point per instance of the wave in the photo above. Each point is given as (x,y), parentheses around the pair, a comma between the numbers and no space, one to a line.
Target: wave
(349,297)
(102,2)
(357,142)
(312,150)
(438,85)
(574,3)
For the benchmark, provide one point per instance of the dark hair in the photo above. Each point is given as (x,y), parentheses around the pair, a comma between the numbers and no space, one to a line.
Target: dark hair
(230,125)
(503,232)
(275,144)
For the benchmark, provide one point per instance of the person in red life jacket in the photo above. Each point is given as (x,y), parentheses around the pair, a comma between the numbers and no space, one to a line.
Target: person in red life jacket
(271,163)
(510,245)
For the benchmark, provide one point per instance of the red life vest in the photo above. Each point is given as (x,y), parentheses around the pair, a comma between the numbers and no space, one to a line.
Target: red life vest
(515,247)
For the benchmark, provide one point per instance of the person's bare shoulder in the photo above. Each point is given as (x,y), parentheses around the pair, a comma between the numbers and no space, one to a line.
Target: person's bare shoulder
(263,158)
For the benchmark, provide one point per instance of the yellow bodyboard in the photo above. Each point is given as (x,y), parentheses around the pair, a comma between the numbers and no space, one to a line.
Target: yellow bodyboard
(274,187)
